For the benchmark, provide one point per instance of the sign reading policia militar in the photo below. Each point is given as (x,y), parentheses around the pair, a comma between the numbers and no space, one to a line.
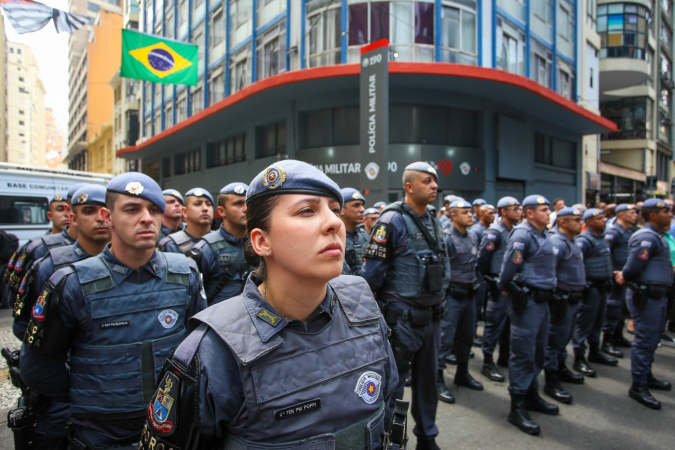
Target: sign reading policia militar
(159,60)
(374,117)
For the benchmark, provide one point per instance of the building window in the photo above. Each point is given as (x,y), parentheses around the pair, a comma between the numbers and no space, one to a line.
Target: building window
(182,18)
(197,97)
(147,129)
(216,35)
(323,32)
(566,80)
(591,13)
(168,115)
(148,17)
(181,106)
(271,140)
(541,65)
(11,49)
(240,69)
(21,122)
(188,162)
(663,162)
(541,19)
(147,95)
(158,122)
(169,23)
(216,85)
(458,36)
(665,127)
(632,115)
(226,151)
(22,112)
(566,28)
(241,21)
(623,30)
(271,52)
(157,99)
(21,79)
(197,38)
(268,10)
(510,48)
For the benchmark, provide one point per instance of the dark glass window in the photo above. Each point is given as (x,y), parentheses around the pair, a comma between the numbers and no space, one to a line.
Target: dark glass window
(358,24)
(623,30)
(188,162)
(271,140)
(424,23)
(23,210)
(379,21)
(226,151)
(632,115)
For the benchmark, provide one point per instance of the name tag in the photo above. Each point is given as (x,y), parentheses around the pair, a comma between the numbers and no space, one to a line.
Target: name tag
(224,259)
(296,410)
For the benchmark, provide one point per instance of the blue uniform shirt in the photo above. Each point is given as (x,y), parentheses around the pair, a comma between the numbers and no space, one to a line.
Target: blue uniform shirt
(212,270)
(164,231)
(525,242)
(491,242)
(641,251)
(477,230)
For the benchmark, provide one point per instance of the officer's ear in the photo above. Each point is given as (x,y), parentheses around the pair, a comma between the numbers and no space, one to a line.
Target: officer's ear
(260,242)
(106,215)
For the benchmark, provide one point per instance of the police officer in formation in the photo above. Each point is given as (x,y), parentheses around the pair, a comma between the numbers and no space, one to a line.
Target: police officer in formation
(529,274)
(458,322)
(198,216)
(486,217)
(103,326)
(591,315)
(408,269)
(571,282)
(58,214)
(617,236)
(357,237)
(300,359)
(370,216)
(220,254)
(172,220)
(489,263)
(648,276)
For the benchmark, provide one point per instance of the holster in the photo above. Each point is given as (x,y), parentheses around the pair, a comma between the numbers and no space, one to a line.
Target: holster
(640,294)
(417,317)
(434,274)
(397,436)
(574,298)
(601,285)
(542,296)
(520,296)
(461,293)
(558,304)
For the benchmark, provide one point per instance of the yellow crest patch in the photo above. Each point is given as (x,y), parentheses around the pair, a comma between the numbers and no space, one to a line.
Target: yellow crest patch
(82,198)
(135,188)
(274,177)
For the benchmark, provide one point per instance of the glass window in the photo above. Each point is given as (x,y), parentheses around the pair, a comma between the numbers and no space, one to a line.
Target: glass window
(271,140)
(565,80)
(188,162)
(181,106)
(632,115)
(241,21)
(148,17)
(169,24)
(216,35)
(216,85)
(15,210)
(157,98)
(240,69)
(358,24)
(182,18)
(323,32)
(197,97)
(168,115)
(622,29)
(271,52)
(458,34)
(157,122)
(541,65)
(268,10)
(511,48)
(226,151)
(198,39)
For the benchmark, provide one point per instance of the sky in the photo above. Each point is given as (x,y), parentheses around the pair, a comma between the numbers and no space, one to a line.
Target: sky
(51,51)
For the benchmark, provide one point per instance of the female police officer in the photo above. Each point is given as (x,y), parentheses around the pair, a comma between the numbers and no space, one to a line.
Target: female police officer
(300,359)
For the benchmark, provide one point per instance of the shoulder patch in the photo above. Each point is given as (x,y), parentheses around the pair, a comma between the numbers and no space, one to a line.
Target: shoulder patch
(518,245)
(645,244)
(38,313)
(609,236)
(163,406)
(644,254)
(490,245)
(517,257)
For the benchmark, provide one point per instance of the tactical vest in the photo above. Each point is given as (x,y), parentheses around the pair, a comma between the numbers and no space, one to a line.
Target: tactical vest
(620,249)
(659,268)
(232,269)
(478,230)
(538,268)
(570,270)
(337,374)
(182,240)
(132,329)
(464,262)
(599,263)
(407,273)
(498,255)
(354,251)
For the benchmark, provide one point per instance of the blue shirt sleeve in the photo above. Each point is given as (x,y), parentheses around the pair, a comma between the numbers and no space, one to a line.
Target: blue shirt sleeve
(491,242)
(516,248)
(640,252)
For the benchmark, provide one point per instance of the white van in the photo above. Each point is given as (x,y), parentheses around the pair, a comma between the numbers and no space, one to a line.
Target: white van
(25,193)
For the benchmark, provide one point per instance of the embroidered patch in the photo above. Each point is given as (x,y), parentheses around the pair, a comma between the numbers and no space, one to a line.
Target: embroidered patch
(274,177)
(22,286)
(491,236)
(58,198)
(239,189)
(10,263)
(490,246)
(39,308)
(644,254)
(380,235)
(121,323)
(609,237)
(517,257)
(518,245)
(645,244)
(168,318)
(368,387)
(135,188)
(473,250)
(268,317)
(82,198)
(19,263)
(296,410)
(162,408)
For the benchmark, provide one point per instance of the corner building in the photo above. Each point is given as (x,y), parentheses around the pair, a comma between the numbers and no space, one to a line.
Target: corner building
(489,92)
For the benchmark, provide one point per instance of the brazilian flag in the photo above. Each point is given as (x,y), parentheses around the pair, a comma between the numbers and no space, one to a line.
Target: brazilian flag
(151,58)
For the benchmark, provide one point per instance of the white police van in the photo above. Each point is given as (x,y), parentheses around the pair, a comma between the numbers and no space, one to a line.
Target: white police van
(25,193)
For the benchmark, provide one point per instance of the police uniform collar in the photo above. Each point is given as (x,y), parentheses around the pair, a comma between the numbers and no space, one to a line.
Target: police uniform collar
(67,237)
(653,228)
(455,231)
(562,235)
(426,212)
(77,248)
(229,237)
(121,271)
(533,229)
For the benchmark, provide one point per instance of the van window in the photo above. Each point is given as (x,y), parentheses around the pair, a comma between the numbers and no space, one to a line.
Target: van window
(23,210)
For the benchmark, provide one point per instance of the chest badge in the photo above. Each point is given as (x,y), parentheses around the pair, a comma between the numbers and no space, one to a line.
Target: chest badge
(368,387)
(168,318)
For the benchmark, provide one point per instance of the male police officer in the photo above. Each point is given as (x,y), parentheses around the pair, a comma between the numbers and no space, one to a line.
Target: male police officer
(198,214)
(357,238)
(528,272)
(459,319)
(220,254)
(102,327)
(380,205)
(172,220)
(617,236)
(408,268)
(486,216)
(591,315)
(58,214)
(370,216)
(571,281)
(476,209)
(489,262)
(648,274)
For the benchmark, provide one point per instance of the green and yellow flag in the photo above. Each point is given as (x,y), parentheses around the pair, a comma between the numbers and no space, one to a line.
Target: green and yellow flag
(151,58)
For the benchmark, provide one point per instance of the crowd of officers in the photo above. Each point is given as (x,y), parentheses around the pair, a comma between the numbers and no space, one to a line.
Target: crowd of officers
(87,310)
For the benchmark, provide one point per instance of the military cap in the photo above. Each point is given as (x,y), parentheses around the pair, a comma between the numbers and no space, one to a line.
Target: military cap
(423,167)
(443,209)
(450,198)
(479,202)
(57,198)
(535,200)
(351,195)
(90,194)
(380,205)
(292,177)
(235,188)
(505,202)
(174,193)
(624,207)
(199,192)
(655,203)
(593,212)
(74,188)
(371,211)
(490,207)
(569,211)
(460,203)
(136,184)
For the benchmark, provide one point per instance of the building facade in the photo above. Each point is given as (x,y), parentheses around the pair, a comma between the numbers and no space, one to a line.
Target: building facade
(55,142)
(26,129)
(94,54)
(498,95)
(3,93)
(100,150)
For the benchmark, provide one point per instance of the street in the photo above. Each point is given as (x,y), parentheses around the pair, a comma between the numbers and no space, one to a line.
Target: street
(601,417)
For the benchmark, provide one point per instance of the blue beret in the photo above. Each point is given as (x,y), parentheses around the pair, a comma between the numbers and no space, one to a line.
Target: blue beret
(136,184)
(490,207)
(478,202)
(199,192)
(460,203)
(450,198)
(569,211)
(592,212)
(57,198)
(380,205)
(174,193)
(505,202)
(351,194)
(535,200)
(655,203)
(624,207)
(235,188)
(292,177)
(74,188)
(371,211)
(90,194)
(421,166)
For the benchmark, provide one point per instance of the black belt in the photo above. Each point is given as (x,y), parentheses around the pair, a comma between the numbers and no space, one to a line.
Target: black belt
(541,295)
(570,297)
(460,293)
(417,316)
(602,284)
